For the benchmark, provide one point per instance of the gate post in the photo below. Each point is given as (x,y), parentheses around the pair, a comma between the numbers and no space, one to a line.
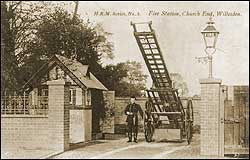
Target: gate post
(210,117)
(58,115)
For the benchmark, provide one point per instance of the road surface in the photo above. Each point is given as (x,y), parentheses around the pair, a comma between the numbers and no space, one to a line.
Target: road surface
(114,149)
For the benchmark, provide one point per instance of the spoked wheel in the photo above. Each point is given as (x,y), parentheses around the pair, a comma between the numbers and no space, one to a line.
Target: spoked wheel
(148,123)
(149,131)
(189,121)
(189,132)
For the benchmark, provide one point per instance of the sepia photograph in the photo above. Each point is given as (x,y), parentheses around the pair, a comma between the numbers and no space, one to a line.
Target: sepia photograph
(124,80)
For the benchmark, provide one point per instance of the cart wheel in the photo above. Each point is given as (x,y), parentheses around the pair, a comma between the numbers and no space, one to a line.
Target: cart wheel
(189,121)
(189,133)
(148,123)
(149,131)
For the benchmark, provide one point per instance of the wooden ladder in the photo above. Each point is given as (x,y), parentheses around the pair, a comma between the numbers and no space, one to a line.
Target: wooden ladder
(163,91)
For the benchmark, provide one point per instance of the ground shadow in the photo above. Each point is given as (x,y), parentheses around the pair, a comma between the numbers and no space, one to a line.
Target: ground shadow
(73,146)
(170,141)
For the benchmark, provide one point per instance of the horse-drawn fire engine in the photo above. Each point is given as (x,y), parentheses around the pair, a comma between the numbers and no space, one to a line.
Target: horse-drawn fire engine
(163,104)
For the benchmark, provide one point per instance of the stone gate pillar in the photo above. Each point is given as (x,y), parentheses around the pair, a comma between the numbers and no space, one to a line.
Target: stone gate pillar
(58,114)
(210,117)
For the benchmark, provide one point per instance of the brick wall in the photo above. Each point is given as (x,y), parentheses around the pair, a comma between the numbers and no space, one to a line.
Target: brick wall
(34,131)
(107,124)
(24,131)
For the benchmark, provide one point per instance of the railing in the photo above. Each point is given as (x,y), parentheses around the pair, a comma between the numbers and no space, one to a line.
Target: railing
(16,105)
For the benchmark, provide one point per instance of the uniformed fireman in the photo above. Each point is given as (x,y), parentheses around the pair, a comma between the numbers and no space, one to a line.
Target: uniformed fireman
(131,111)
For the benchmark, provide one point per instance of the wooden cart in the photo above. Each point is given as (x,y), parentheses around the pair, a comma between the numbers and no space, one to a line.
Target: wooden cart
(163,103)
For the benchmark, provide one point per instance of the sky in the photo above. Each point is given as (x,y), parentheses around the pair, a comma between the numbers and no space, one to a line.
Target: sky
(180,37)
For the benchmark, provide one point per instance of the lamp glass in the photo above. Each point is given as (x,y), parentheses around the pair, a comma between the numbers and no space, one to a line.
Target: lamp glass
(210,39)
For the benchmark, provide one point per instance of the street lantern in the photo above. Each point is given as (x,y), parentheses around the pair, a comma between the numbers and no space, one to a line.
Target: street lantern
(210,35)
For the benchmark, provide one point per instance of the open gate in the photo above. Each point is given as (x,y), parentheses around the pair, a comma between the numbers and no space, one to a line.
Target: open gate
(236,120)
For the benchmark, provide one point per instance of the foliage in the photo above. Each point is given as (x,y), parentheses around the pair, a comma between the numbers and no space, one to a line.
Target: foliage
(179,83)
(34,31)
(17,26)
(58,33)
(125,78)
(9,63)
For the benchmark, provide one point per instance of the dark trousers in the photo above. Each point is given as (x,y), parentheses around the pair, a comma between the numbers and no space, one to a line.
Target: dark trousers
(132,131)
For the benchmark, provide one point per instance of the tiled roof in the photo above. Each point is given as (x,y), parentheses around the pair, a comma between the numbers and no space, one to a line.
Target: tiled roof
(80,71)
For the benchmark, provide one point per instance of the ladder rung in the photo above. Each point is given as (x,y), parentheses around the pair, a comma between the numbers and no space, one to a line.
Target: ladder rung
(143,33)
(155,64)
(149,48)
(157,67)
(160,73)
(158,62)
(163,77)
(167,120)
(161,89)
(165,113)
(159,103)
(152,54)
(163,82)
(148,43)
(157,59)
(146,38)
(161,70)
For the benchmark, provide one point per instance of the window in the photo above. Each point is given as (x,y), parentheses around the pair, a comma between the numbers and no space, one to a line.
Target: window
(45,92)
(88,99)
(72,96)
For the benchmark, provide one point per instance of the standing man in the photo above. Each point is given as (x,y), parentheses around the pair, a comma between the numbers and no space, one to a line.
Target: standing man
(131,111)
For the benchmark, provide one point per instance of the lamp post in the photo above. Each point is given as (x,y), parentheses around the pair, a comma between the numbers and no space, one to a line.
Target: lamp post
(210,35)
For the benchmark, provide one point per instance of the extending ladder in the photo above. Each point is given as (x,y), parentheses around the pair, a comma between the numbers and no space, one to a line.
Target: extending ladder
(163,96)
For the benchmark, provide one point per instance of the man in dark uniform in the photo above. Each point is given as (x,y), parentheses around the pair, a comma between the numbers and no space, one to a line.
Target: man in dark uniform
(131,111)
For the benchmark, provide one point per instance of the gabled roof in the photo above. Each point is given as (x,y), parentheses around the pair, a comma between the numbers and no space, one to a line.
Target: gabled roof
(74,66)
(78,72)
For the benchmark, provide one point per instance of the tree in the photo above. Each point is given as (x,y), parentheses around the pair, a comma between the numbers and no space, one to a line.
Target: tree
(58,33)
(17,21)
(8,60)
(31,32)
(179,83)
(124,78)
(112,75)
(135,74)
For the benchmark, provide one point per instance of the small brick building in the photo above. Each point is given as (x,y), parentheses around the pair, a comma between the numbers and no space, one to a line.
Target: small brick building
(58,109)
(85,88)
(59,67)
